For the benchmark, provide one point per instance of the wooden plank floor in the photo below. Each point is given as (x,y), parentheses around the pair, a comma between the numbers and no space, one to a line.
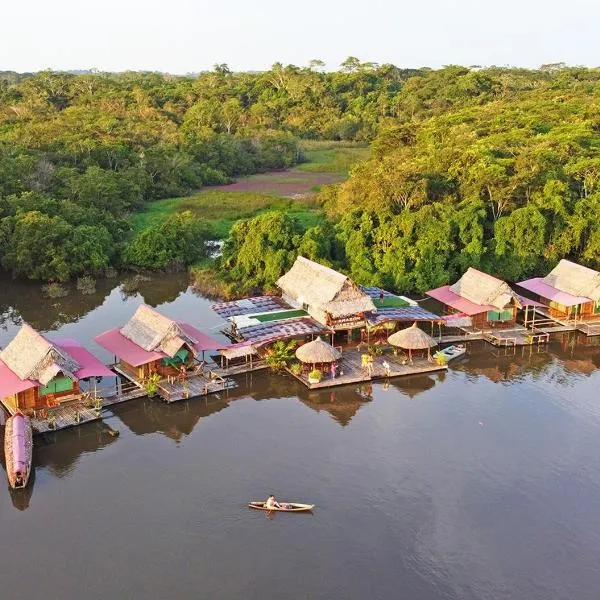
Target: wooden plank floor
(240,369)
(198,385)
(350,369)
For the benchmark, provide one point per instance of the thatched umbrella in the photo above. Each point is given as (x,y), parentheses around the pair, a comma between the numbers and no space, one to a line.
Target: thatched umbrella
(316,352)
(412,338)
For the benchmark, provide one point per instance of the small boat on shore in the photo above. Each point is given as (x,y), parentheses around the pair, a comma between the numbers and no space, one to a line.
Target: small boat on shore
(452,352)
(18,449)
(285,507)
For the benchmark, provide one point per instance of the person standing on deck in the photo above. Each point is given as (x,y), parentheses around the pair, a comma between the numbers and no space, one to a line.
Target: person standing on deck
(386,368)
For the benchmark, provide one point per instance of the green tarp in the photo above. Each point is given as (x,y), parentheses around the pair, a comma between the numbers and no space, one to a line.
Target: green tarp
(179,358)
(56,386)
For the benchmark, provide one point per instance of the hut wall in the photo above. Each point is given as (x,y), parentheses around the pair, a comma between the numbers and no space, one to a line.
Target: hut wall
(27,399)
(11,401)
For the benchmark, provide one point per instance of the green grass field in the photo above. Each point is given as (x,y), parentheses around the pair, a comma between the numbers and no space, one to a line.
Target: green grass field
(222,207)
(332,157)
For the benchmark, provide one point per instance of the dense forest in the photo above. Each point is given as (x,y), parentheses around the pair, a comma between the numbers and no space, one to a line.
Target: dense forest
(497,168)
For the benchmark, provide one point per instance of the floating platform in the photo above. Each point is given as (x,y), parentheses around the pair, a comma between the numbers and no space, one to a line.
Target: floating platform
(69,414)
(174,389)
(350,370)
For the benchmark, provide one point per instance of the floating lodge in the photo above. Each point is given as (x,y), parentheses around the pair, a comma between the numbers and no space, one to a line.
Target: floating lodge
(343,333)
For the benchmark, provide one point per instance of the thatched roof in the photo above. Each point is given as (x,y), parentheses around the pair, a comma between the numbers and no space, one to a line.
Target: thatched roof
(412,338)
(317,351)
(483,289)
(574,279)
(154,332)
(319,286)
(31,356)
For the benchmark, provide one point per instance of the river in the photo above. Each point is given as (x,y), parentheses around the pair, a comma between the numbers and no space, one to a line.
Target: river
(480,483)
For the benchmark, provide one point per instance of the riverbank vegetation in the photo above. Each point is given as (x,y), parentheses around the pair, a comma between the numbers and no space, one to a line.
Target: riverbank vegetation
(494,168)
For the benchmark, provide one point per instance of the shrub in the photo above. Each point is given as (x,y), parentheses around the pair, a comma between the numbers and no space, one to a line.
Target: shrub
(86,285)
(315,374)
(54,290)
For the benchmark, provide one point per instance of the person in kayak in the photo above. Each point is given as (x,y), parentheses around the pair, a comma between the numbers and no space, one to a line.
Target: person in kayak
(271,503)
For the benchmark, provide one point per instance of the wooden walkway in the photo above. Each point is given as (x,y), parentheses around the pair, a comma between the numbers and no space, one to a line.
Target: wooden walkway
(350,370)
(69,414)
(241,369)
(175,389)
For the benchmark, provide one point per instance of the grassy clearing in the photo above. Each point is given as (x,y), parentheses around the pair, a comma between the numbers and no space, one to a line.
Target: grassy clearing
(223,209)
(332,157)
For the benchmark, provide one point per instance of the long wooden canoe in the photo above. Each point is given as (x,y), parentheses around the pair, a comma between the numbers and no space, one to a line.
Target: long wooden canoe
(18,449)
(295,507)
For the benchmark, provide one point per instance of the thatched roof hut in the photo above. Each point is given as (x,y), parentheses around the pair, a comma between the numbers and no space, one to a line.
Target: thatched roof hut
(156,333)
(411,339)
(31,356)
(574,279)
(323,292)
(317,351)
(484,289)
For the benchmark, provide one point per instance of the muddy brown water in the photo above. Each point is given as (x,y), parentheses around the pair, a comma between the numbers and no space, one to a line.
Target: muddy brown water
(481,483)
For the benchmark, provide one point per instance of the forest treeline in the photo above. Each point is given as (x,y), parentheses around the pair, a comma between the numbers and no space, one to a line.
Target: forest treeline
(496,168)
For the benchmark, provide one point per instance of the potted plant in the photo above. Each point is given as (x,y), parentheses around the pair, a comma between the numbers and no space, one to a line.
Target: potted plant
(296,368)
(315,376)
(440,358)
(151,384)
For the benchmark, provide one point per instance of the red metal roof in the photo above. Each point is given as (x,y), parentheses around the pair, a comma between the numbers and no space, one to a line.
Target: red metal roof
(446,296)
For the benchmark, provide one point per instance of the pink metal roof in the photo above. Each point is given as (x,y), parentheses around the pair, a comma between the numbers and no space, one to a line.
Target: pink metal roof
(446,296)
(117,344)
(205,342)
(126,350)
(11,384)
(527,301)
(90,365)
(540,288)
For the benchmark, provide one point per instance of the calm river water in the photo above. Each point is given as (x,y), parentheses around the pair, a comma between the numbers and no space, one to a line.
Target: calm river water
(482,483)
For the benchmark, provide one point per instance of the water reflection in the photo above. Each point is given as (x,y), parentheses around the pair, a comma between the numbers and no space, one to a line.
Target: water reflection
(24,301)
(59,452)
(21,498)
(175,421)
(341,404)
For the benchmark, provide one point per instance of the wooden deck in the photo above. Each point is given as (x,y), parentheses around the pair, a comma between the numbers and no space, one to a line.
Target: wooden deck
(69,414)
(515,336)
(350,369)
(175,389)
(240,369)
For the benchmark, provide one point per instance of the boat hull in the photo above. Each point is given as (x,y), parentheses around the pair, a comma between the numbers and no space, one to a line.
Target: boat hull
(18,450)
(296,507)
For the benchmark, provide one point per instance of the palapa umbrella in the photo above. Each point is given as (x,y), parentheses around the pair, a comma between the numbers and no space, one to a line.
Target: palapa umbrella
(412,338)
(316,352)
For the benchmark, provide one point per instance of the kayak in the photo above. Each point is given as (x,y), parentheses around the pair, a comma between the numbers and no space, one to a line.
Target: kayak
(18,444)
(293,507)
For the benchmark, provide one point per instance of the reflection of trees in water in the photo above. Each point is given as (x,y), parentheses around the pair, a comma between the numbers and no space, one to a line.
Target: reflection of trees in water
(22,300)
(159,289)
(147,416)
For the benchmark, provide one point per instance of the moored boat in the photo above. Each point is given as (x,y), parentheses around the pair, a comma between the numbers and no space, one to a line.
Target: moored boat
(451,352)
(285,507)
(18,448)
